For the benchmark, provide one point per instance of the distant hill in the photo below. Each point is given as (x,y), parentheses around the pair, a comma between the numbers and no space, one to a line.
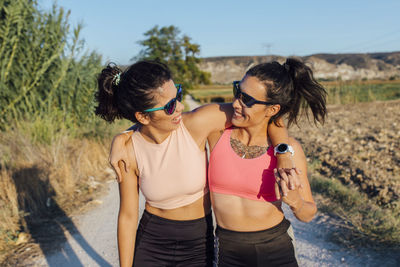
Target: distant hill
(325,66)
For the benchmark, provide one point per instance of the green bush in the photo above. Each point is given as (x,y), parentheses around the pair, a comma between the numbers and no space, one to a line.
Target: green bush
(46,77)
(347,93)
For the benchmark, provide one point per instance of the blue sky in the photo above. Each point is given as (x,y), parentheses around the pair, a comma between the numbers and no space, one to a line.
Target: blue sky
(237,28)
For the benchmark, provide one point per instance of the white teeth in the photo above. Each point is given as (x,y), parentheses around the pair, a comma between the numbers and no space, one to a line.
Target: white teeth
(177,119)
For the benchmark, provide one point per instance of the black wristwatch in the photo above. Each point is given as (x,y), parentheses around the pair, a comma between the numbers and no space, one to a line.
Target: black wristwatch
(283,148)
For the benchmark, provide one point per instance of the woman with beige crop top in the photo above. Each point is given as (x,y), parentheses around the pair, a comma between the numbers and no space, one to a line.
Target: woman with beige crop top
(166,160)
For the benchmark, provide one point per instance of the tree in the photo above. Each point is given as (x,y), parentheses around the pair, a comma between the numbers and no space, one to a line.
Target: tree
(168,46)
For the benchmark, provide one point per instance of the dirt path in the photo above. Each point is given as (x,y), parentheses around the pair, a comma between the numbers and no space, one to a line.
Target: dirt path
(95,242)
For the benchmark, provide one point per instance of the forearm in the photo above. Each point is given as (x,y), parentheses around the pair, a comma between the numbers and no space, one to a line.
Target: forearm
(304,210)
(217,116)
(228,110)
(127,226)
(204,120)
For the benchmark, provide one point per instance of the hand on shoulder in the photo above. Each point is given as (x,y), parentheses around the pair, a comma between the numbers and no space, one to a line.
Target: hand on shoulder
(119,152)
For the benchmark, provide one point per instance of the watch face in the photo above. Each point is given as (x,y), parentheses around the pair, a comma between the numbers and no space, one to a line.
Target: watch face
(282,147)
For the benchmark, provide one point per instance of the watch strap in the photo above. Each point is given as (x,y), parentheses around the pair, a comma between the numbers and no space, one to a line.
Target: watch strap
(289,149)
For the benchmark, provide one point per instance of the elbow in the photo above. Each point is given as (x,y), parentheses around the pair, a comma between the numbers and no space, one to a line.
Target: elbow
(127,217)
(126,224)
(307,219)
(309,216)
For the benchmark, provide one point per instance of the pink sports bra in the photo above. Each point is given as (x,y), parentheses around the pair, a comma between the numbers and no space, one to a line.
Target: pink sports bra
(229,174)
(171,174)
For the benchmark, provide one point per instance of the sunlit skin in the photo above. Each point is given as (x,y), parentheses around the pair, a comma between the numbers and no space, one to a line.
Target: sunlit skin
(159,125)
(256,116)
(241,214)
(155,128)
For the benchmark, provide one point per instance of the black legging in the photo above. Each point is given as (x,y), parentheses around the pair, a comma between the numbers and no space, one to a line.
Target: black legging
(163,242)
(271,247)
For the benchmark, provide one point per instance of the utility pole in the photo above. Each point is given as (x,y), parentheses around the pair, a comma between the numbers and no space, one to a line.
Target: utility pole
(267,47)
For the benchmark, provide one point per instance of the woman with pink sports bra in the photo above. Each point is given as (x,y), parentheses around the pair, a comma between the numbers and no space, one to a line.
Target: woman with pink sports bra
(165,158)
(246,194)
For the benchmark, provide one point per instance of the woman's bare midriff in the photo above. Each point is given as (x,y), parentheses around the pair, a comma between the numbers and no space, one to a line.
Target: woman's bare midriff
(245,215)
(195,210)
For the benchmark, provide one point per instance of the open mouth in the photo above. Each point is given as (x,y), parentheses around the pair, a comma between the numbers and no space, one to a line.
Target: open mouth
(177,119)
(237,115)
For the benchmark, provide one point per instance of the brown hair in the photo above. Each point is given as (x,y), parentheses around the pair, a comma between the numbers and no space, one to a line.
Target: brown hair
(131,92)
(292,86)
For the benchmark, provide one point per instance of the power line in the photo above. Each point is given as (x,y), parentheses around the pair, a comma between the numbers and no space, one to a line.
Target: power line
(368,43)
(397,39)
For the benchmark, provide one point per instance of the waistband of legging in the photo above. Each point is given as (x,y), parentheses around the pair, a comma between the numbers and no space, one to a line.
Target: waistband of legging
(253,236)
(147,216)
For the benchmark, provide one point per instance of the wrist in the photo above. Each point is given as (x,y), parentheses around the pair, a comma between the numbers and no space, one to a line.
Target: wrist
(283,148)
(284,155)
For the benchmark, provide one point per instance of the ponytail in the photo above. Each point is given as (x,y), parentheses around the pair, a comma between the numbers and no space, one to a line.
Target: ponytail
(306,92)
(108,81)
(122,94)
(293,87)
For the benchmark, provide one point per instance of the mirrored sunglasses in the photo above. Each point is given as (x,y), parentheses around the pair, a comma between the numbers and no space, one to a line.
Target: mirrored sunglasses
(170,107)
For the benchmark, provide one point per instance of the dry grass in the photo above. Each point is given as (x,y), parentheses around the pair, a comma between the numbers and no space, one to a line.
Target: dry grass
(35,177)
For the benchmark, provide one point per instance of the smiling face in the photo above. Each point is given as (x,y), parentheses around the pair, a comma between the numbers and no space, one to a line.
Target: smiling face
(251,116)
(159,119)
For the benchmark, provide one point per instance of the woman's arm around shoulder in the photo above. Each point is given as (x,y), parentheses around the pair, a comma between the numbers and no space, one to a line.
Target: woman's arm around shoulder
(208,118)
(119,151)
(129,208)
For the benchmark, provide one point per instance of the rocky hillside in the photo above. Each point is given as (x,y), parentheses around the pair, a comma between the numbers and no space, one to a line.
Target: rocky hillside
(325,66)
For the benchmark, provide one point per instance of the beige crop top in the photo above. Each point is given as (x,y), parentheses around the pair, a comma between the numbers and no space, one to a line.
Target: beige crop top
(171,174)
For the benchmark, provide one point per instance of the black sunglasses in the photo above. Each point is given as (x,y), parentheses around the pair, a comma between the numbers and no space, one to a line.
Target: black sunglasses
(249,101)
(170,107)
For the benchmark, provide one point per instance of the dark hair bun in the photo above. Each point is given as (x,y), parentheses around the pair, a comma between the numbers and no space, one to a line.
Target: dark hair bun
(122,94)
(107,108)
